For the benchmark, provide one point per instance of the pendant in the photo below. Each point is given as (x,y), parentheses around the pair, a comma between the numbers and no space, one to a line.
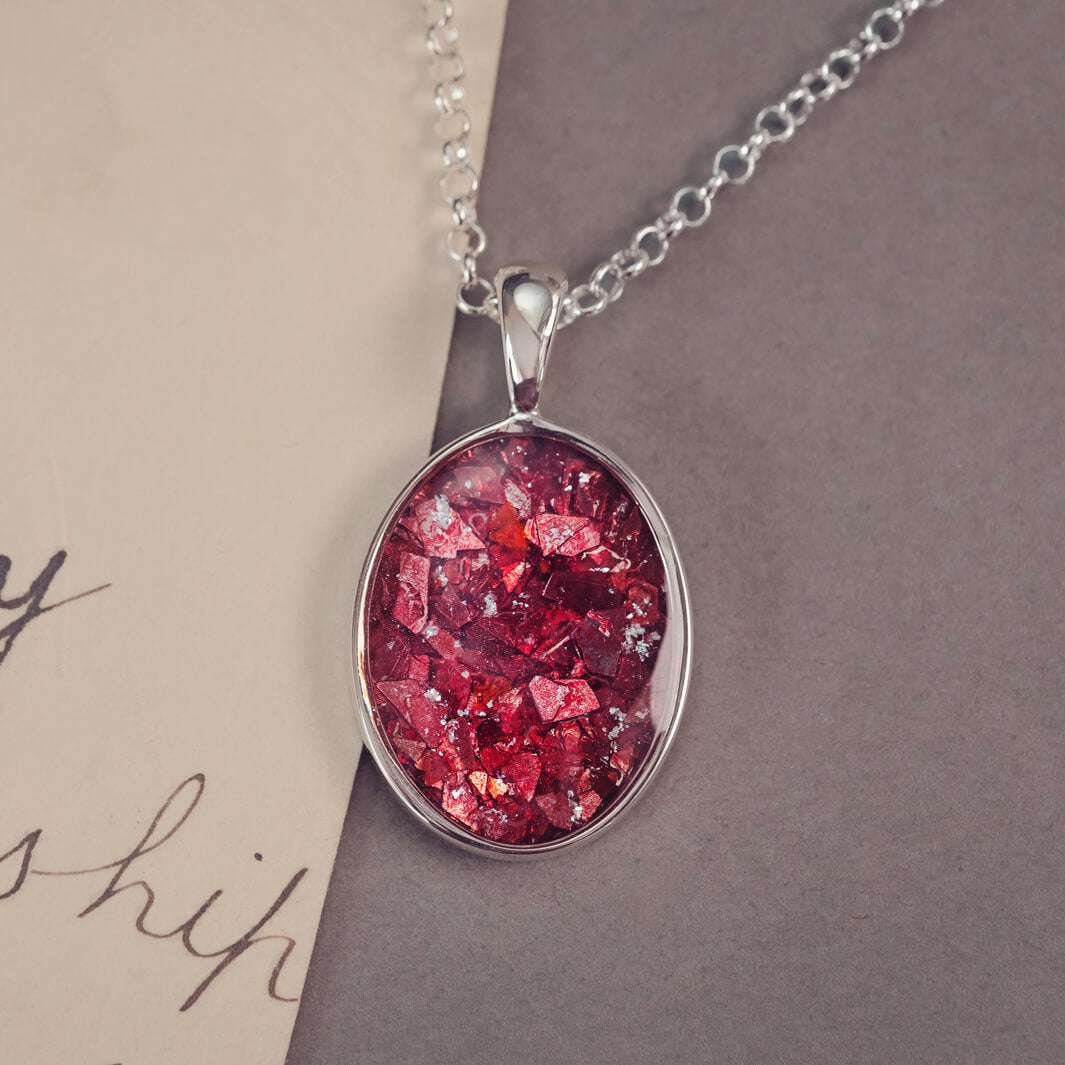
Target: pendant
(522,628)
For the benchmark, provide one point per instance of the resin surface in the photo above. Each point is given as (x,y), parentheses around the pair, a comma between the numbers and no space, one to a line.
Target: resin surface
(515,616)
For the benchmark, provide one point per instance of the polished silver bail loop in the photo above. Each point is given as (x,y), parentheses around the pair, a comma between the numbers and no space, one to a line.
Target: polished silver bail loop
(530,298)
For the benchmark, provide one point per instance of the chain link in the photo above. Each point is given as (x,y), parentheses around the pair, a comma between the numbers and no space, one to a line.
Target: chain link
(690,206)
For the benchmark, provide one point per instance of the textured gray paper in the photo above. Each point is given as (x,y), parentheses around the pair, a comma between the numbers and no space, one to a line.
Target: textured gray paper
(846,392)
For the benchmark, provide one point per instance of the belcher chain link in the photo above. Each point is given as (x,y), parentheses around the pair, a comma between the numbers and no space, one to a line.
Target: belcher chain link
(690,206)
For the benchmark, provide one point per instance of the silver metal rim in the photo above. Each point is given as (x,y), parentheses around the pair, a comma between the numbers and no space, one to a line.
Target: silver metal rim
(676,589)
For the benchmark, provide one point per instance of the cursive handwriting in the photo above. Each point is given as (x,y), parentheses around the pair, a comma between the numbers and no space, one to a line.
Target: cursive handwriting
(165,825)
(30,603)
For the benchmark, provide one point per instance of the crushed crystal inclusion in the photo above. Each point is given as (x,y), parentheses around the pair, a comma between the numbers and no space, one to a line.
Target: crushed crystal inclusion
(516,611)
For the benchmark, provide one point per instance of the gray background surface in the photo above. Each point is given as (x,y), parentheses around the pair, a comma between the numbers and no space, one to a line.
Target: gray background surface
(846,392)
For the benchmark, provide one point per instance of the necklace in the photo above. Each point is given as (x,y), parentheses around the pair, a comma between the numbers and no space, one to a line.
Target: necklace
(522,632)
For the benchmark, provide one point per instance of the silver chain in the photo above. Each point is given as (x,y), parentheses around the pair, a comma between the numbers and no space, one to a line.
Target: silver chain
(690,206)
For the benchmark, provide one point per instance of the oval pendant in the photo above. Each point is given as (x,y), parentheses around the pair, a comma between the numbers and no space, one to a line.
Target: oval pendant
(522,632)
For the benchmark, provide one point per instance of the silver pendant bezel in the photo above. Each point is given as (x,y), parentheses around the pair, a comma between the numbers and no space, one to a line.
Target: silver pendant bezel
(679,616)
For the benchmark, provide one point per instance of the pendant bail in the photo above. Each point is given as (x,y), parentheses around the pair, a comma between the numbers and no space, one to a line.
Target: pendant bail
(529,298)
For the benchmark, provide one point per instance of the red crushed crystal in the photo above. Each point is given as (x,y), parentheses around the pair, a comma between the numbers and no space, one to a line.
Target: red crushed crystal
(558,700)
(515,617)
(411,607)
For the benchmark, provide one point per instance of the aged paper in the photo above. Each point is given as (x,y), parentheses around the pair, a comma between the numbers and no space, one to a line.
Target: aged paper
(224,313)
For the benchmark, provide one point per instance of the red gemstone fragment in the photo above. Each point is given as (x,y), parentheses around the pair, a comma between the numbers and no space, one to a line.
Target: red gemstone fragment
(480,483)
(561,700)
(412,595)
(517,497)
(523,771)
(417,706)
(441,530)
(559,534)
(505,529)
(515,617)
(459,802)
(512,575)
